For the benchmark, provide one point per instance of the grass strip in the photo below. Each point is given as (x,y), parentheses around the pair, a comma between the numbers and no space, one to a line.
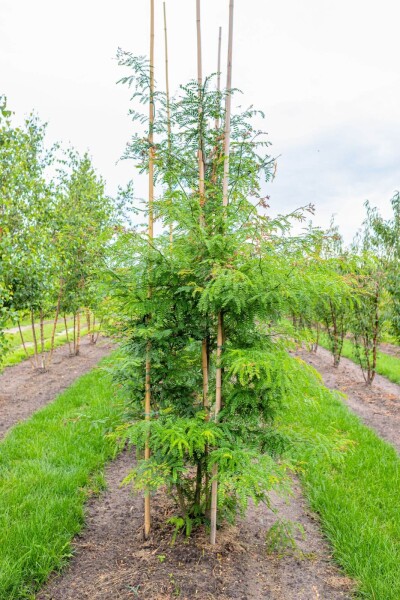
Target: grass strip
(352,480)
(48,467)
(386,365)
(14,339)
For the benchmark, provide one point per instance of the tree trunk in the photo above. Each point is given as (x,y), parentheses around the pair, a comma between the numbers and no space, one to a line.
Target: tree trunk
(67,334)
(78,333)
(35,345)
(53,333)
(220,331)
(24,346)
(147,400)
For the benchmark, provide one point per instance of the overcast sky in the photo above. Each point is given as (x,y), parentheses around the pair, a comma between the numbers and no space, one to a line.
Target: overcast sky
(326,73)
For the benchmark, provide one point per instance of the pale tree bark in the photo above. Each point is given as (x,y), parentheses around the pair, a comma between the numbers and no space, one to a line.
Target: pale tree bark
(220,329)
(147,401)
(168,104)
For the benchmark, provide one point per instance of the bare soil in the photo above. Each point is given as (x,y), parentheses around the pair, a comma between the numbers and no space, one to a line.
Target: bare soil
(378,405)
(391,349)
(113,562)
(24,390)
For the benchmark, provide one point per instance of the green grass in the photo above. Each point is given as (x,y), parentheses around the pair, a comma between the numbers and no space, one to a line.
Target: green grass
(352,480)
(386,365)
(18,355)
(48,466)
(14,339)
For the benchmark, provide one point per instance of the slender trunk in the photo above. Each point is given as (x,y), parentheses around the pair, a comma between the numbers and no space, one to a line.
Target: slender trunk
(200,156)
(67,334)
(204,366)
(375,338)
(204,349)
(24,345)
(220,331)
(98,332)
(42,358)
(147,400)
(53,333)
(228,105)
(147,408)
(168,109)
(218,72)
(88,323)
(78,333)
(74,338)
(35,345)
(218,402)
(199,478)
(92,337)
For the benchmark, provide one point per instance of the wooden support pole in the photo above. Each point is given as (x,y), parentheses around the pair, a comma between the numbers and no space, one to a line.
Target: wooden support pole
(168,103)
(147,400)
(220,330)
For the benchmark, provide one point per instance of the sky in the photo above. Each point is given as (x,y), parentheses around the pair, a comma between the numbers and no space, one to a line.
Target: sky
(325,73)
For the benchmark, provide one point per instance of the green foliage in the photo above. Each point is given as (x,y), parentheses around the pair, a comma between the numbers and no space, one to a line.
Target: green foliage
(234,263)
(56,224)
(281,536)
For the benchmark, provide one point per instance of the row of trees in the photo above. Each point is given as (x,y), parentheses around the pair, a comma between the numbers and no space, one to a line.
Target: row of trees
(361,299)
(55,225)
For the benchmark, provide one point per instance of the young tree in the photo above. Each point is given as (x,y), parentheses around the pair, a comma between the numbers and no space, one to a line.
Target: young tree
(227,258)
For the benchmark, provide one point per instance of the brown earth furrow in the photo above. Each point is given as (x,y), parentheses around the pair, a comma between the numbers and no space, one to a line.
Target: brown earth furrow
(112,562)
(23,390)
(378,405)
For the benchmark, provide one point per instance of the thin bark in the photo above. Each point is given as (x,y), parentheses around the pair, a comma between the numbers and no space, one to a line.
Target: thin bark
(34,339)
(24,346)
(88,322)
(42,358)
(67,334)
(204,366)
(200,156)
(74,338)
(168,106)
(98,332)
(147,400)
(218,72)
(53,333)
(78,333)
(228,107)
(220,331)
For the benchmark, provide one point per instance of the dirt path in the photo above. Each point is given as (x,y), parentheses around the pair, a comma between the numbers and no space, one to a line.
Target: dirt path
(112,562)
(377,405)
(23,391)
(390,349)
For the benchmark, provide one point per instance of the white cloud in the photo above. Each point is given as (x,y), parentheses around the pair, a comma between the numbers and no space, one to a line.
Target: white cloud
(325,72)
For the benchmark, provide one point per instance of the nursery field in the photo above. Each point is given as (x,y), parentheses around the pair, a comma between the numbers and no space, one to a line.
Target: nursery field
(199,389)
(315,543)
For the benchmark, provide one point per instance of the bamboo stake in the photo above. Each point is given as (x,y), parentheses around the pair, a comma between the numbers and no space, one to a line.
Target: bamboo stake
(228,104)
(147,400)
(220,331)
(168,105)
(200,156)
(218,72)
